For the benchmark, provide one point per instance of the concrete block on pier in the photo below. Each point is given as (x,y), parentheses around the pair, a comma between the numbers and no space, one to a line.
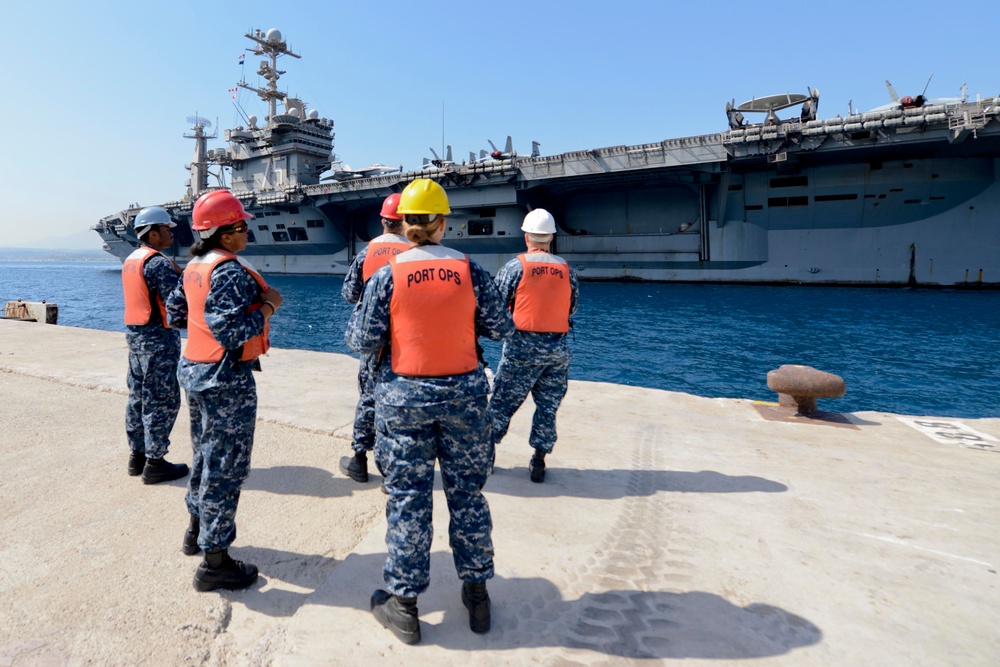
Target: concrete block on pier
(31,311)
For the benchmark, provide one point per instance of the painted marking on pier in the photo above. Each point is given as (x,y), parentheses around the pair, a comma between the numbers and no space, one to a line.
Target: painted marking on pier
(952,432)
(905,543)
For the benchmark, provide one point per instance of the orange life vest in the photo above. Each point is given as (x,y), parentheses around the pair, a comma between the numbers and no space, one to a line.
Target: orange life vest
(542,298)
(202,346)
(380,250)
(432,314)
(138,306)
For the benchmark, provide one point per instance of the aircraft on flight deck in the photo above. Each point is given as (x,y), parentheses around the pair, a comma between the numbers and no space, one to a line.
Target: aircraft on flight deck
(920,100)
(345,173)
(437,162)
(508,151)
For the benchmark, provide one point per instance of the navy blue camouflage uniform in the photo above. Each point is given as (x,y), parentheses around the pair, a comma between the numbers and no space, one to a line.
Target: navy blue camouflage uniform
(154,399)
(222,401)
(533,362)
(363,437)
(420,419)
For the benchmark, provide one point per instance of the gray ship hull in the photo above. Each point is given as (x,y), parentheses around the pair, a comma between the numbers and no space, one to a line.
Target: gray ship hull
(903,196)
(308,243)
(920,208)
(930,221)
(927,222)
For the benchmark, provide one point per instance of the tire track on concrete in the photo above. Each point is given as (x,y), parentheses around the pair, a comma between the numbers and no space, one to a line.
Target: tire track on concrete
(606,608)
(616,616)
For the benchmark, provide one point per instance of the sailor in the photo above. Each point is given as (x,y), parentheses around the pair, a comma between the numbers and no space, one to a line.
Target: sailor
(154,348)
(425,309)
(227,306)
(541,291)
(374,256)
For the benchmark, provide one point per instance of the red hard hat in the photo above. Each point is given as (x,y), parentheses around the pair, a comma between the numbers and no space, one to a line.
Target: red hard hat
(389,207)
(217,208)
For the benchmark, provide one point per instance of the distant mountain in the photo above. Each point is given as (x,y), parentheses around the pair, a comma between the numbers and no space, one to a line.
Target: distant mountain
(50,255)
(82,246)
(85,240)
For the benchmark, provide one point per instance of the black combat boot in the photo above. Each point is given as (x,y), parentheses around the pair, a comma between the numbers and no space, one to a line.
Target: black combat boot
(136,462)
(355,467)
(537,467)
(219,570)
(161,470)
(191,547)
(398,614)
(477,601)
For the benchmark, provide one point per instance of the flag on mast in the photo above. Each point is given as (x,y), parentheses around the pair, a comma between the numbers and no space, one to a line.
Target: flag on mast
(233,91)
(241,58)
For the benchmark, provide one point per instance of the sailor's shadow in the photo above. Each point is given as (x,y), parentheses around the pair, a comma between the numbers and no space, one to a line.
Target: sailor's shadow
(531,612)
(615,483)
(306,481)
(307,571)
(634,624)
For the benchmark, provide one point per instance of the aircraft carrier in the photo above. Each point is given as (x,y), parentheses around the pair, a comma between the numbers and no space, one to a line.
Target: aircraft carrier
(902,195)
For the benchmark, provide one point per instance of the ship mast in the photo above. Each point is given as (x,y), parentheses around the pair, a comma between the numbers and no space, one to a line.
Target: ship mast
(272,45)
(198,168)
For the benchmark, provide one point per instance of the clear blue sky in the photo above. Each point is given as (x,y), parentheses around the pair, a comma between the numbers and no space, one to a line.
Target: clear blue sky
(98,92)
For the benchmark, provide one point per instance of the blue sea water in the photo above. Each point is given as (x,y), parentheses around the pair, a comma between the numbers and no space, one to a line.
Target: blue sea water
(907,351)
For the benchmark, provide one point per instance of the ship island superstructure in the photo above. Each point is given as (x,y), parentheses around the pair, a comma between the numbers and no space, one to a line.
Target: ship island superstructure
(906,195)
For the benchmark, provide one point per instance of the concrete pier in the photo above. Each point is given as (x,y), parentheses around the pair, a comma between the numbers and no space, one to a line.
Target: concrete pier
(670,529)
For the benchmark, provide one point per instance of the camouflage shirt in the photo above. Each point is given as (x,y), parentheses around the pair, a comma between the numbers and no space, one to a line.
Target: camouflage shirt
(533,345)
(354,282)
(368,331)
(231,292)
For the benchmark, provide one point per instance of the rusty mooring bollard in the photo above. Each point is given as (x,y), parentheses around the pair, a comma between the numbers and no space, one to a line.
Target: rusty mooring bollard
(800,386)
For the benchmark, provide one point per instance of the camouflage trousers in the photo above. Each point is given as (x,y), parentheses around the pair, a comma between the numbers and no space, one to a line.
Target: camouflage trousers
(154,399)
(222,428)
(363,438)
(547,383)
(409,439)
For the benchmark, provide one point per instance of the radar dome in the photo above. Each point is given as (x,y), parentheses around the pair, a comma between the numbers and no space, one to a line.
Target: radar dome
(294,112)
(273,35)
(252,121)
(313,114)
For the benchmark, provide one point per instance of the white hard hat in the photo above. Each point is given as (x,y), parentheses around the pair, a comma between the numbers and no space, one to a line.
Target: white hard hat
(539,221)
(149,217)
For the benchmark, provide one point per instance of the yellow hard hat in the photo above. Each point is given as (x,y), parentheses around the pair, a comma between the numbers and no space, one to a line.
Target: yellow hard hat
(423,197)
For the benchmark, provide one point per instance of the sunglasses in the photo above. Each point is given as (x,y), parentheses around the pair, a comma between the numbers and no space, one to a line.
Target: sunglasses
(239,229)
